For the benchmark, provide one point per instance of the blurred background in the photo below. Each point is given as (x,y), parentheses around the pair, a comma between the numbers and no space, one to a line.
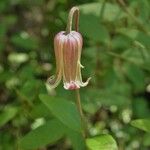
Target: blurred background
(116,54)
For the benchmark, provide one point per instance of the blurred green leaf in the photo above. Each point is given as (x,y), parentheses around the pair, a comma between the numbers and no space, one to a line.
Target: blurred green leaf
(46,134)
(111,11)
(146,139)
(140,108)
(101,142)
(10,20)
(144,39)
(138,57)
(7,114)
(63,110)
(135,75)
(29,86)
(93,29)
(3,5)
(143,124)
(24,41)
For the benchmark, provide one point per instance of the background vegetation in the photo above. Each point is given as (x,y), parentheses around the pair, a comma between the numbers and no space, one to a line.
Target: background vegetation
(116,54)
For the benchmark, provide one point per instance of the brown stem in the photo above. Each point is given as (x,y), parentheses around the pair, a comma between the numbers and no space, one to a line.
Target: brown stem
(74,12)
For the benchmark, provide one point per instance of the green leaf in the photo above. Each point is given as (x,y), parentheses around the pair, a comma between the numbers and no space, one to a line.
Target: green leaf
(77,140)
(7,115)
(143,124)
(146,139)
(63,110)
(93,29)
(39,110)
(102,142)
(48,133)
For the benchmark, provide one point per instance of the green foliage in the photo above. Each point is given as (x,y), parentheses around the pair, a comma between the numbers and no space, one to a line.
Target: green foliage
(63,110)
(105,142)
(48,133)
(116,54)
(76,139)
(7,114)
(143,124)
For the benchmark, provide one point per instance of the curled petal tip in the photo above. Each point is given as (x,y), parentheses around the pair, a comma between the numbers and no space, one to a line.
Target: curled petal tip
(81,64)
(53,81)
(85,83)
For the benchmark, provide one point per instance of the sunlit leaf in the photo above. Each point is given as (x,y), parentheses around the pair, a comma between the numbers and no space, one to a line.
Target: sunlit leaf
(101,142)
(143,124)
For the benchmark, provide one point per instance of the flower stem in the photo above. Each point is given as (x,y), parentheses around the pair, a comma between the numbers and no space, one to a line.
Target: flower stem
(78,103)
(74,12)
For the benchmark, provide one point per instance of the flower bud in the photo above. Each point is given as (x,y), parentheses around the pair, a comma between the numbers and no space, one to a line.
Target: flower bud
(68,49)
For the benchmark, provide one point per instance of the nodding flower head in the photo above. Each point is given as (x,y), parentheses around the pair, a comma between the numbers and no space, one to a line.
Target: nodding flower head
(68,47)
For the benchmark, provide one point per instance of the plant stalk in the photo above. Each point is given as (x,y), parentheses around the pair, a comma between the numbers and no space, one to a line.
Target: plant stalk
(83,121)
(74,12)
(78,102)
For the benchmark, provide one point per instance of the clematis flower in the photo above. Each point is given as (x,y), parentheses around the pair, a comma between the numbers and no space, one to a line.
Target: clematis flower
(68,47)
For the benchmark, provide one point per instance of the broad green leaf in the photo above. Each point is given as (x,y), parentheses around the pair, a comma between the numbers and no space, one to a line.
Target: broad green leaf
(93,29)
(46,134)
(143,124)
(7,115)
(76,139)
(63,110)
(101,142)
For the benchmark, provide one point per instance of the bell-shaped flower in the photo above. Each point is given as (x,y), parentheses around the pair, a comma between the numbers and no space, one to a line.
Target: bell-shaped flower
(68,47)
